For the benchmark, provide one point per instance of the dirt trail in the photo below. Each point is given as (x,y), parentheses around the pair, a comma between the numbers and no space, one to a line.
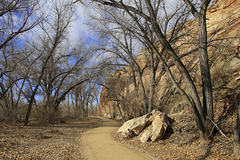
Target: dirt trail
(98,144)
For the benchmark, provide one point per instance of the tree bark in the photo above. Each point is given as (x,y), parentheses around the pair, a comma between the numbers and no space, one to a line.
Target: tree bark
(145,102)
(204,64)
(237,134)
(30,104)
(152,83)
(205,70)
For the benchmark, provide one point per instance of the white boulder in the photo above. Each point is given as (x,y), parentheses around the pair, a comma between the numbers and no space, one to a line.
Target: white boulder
(134,126)
(157,129)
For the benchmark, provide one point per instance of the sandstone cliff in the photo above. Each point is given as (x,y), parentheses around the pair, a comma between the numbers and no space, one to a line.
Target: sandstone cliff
(119,96)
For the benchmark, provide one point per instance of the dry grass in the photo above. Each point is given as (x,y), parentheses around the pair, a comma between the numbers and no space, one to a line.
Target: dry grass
(52,142)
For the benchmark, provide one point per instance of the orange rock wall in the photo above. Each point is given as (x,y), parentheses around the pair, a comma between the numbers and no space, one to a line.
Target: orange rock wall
(223,25)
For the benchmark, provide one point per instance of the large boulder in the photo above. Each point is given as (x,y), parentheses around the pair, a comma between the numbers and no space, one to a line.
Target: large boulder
(146,135)
(134,126)
(152,126)
(157,130)
(159,126)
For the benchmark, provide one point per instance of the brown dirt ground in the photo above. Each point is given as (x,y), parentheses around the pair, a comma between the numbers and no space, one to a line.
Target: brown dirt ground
(98,144)
(183,142)
(62,141)
(52,142)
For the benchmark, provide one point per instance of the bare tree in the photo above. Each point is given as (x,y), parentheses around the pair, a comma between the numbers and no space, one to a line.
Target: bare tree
(122,45)
(150,14)
(16,18)
(14,73)
(203,57)
(50,40)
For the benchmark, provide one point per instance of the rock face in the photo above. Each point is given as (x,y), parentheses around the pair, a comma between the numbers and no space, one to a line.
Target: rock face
(223,21)
(151,127)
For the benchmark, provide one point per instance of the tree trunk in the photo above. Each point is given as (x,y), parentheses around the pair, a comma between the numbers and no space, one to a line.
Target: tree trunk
(120,111)
(205,71)
(31,103)
(145,102)
(152,83)
(204,64)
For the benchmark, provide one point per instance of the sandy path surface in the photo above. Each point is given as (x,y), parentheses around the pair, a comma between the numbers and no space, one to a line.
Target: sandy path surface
(98,144)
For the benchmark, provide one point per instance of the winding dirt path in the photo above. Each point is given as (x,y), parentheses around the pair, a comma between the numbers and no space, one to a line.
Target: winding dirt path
(98,144)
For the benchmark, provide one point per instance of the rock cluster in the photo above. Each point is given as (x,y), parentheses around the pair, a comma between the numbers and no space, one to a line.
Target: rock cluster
(149,127)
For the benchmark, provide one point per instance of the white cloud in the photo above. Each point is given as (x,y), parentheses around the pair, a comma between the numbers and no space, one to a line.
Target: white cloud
(79,29)
(76,31)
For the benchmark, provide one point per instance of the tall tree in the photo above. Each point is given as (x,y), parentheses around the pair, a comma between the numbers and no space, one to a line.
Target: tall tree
(203,57)
(150,14)
(53,35)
